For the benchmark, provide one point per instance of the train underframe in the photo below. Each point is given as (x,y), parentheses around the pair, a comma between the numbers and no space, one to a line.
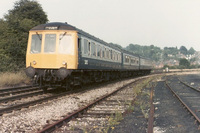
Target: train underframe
(49,78)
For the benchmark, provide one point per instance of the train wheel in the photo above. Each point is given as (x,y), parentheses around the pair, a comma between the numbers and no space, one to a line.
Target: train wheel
(40,82)
(68,85)
(45,88)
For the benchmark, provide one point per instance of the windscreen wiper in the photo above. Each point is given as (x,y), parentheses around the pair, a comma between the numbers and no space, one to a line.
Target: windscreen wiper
(63,35)
(39,36)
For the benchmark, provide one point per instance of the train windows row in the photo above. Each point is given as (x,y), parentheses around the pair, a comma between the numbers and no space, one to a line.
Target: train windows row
(51,42)
(96,50)
(131,60)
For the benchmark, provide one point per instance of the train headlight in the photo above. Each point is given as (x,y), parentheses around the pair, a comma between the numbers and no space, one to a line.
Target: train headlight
(34,62)
(64,63)
(30,71)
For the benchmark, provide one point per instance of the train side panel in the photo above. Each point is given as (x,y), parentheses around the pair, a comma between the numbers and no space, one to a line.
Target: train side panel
(94,55)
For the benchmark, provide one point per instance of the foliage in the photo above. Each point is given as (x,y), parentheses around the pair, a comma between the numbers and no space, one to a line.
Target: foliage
(14,29)
(116,45)
(170,52)
(165,66)
(183,50)
(151,51)
(184,63)
(157,54)
(191,51)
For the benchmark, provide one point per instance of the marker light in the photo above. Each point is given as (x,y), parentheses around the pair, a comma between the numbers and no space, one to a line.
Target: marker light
(34,62)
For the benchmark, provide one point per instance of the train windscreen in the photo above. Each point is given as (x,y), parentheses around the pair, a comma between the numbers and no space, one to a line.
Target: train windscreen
(36,43)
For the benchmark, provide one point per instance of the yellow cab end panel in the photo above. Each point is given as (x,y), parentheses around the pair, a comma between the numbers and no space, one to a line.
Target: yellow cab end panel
(53,60)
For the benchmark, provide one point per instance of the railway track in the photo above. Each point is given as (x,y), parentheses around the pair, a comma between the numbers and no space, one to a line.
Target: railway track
(17,90)
(29,93)
(151,112)
(187,95)
(23,97)
(100,115)
(14,100)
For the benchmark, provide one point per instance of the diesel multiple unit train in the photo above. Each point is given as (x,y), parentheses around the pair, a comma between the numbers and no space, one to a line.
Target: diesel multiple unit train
(61,54)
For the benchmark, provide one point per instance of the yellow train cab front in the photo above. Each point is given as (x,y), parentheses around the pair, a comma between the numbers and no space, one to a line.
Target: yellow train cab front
(52,49)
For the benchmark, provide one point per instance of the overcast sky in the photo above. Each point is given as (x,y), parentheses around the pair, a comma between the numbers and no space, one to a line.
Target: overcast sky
(163,23)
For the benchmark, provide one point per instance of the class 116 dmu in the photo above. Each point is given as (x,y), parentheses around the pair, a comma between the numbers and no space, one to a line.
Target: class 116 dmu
(59,54)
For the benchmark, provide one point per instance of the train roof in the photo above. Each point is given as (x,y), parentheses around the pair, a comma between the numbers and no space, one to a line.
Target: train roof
(66,26)
(54,26)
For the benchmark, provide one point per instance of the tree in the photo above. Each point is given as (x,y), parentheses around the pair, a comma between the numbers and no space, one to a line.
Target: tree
(191,51)
(151,51)
(183,50)
(26,11)
(116,45)
(184,63)
(14,29)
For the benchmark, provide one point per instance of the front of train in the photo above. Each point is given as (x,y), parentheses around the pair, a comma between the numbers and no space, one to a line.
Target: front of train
(52,53)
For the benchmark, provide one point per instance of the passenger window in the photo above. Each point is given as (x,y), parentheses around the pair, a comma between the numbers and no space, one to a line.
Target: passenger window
(103,52)
(85,46)
(50,43)
(66,45)
(119,57)
(89,49)
(100,48)
(132,61)
(127,60)
(106,53)
(111,54)
(36,43)
(93,49)
(98,51)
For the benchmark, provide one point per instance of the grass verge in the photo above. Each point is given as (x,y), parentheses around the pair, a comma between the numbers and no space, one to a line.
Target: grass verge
(12,79)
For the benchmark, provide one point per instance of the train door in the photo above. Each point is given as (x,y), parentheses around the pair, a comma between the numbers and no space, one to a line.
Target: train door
(79,48)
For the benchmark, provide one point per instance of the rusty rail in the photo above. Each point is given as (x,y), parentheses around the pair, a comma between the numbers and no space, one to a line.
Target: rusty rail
(151,113)
(184,104)
(188,85)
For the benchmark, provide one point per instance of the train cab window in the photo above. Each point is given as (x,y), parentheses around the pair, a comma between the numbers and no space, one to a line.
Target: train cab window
(36,43)
(50,43)
(65,44)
